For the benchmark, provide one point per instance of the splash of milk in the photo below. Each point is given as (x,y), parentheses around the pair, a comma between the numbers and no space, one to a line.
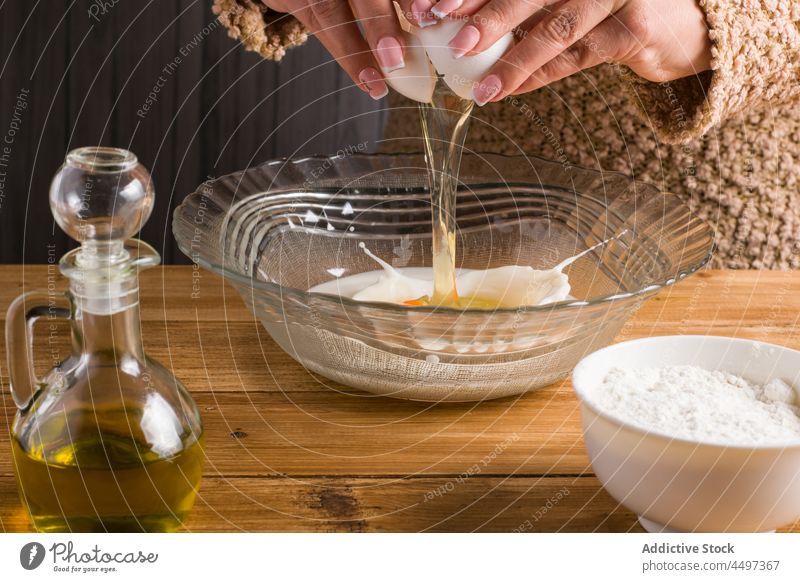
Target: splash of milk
(509,286)
(393,285)
(517,285)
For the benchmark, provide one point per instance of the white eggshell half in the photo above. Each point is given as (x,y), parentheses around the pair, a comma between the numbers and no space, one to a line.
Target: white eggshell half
(418,78)
(461,75)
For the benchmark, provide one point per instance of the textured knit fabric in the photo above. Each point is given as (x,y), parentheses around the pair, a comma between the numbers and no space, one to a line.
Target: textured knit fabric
(727,141)
(259,29)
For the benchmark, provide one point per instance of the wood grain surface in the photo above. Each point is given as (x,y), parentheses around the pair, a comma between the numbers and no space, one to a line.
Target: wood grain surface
(288,450)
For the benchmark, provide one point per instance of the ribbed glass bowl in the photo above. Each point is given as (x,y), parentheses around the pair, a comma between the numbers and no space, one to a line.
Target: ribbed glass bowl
(276,230)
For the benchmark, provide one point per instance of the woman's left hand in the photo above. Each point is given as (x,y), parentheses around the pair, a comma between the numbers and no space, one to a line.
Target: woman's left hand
(660,40)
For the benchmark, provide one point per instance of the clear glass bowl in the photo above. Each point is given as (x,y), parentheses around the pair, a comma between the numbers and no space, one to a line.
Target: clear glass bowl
(278,229)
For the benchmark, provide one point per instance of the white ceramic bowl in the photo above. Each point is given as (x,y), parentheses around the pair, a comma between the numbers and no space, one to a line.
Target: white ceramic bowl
(681,485)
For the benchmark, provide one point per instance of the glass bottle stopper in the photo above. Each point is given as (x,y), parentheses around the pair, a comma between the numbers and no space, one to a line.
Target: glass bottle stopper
(101,197)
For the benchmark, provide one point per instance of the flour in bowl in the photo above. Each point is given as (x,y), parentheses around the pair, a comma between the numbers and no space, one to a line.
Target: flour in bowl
(698,404)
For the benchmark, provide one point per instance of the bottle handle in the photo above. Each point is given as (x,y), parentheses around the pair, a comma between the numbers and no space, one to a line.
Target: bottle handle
(22,315)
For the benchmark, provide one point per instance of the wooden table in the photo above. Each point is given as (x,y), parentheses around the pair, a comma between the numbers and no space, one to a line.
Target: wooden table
(288,453)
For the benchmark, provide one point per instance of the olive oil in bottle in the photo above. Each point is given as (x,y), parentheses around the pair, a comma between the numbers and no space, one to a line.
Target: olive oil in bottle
(108,440)
(109,483)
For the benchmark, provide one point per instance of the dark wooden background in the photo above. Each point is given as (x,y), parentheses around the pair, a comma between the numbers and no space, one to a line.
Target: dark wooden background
(89,66)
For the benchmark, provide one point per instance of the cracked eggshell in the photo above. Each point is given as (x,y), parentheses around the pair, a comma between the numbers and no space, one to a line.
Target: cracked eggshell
(418,78)
(461,75)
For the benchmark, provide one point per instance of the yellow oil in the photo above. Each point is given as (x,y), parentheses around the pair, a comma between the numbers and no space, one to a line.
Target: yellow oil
(460,302)
(107,482)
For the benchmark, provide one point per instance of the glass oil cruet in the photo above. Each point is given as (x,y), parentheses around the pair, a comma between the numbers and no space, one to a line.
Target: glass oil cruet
(109,439)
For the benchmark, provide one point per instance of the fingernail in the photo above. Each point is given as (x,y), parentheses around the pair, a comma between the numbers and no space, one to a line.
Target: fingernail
(421,12)
(464,41)
(376,86)
(390,54)
(445,7)
(483,92)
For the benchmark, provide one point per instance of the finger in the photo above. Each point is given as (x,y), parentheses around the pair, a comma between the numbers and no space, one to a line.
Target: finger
(334,25)
(604,44)
(443,8)
(470,7)
(276,5)
(427,12)
(553,35)
(418,12)
(382,30)
(522,30)
(493,20)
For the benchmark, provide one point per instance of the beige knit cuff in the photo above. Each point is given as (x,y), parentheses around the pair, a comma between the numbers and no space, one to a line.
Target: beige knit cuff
(755,57)
(258,28)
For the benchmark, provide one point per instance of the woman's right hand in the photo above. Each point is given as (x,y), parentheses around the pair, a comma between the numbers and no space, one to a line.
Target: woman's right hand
(334,23)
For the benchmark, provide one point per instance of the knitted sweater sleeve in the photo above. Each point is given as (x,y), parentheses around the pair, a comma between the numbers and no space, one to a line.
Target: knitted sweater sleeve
(755,61)
(258,28)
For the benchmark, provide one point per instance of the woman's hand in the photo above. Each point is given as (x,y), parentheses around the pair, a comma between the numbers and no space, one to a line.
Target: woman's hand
(659,40)
(333,22)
